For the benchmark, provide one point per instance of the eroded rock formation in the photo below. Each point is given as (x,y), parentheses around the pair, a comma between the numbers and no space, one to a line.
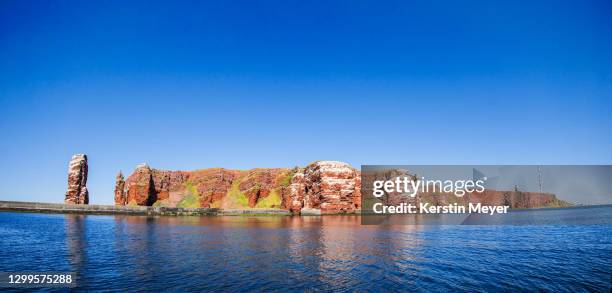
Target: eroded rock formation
(513,199)
(328,186)
(140,187)
(215,187)
(259,184)
(322,187)
(120,198)
(77,181)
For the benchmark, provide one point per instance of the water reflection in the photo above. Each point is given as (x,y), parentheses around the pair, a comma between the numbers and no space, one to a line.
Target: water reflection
(326,249)
(325,253)
(76,241)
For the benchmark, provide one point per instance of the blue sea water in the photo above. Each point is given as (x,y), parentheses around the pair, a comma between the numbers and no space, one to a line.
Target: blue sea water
(330,253)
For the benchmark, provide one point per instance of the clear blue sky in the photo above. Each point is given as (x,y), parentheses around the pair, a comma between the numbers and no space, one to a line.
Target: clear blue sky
(243,84)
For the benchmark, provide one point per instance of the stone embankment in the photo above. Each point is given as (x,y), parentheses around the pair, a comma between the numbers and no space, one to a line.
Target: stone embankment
(129,210)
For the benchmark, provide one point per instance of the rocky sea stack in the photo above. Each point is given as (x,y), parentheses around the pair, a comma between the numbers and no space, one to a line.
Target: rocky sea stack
(77,181)
(119,189)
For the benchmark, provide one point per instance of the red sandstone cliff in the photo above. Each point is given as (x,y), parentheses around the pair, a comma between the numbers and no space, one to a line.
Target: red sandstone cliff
(328,186)
(321,187)
(325,186)
(513,199)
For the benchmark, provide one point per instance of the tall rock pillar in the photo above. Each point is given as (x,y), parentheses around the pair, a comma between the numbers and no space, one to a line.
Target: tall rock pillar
(120,198)
(77,180)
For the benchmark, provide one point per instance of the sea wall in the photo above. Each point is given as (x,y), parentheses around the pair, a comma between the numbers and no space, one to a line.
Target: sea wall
(127,210)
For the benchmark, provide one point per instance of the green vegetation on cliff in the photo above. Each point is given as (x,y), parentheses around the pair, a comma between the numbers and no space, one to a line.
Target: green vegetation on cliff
(191,199)
(159,203)
(273,200)
(286,181)
(235,199)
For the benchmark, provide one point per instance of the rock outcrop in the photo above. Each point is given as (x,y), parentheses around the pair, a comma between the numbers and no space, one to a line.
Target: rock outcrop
(140,187)
(120,198)
(215,187)
(260,184)
(322,187)
(328,186)
(514,199)
(77,181)
(211,185)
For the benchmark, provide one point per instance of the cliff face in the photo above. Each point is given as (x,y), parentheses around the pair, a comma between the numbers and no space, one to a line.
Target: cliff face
(331,186)
(140,187)
(77,181)
(514,199)
(328,186)
(321,187)
(215,187)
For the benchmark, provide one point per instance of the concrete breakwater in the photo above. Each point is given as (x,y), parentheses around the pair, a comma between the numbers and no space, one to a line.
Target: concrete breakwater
(39,207)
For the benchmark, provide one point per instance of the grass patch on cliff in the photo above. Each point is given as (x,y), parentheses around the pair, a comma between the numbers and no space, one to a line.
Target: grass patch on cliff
(273,200)
(191,199)
(159,203)
(216,204)
(558,203)
(234,198)
(286,181)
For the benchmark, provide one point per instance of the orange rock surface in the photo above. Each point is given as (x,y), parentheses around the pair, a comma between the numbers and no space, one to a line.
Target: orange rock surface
(322,187)
(332,187)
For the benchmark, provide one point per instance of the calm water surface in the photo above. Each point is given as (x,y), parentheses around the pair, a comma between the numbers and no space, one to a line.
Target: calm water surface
(331,253)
